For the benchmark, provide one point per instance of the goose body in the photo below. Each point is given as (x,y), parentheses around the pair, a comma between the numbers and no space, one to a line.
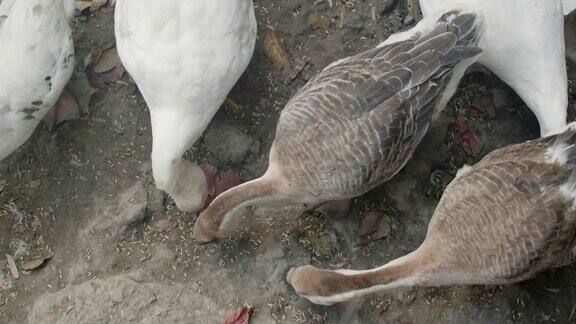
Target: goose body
(524,46)
(355,124)
(504,220)
(37,60)
(185,57)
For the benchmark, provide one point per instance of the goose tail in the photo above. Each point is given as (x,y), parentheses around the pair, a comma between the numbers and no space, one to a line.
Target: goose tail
(467,28)
(568,6)
(562,146)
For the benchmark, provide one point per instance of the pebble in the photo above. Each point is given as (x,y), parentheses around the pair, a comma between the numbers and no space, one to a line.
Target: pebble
(408,20)
(229,144)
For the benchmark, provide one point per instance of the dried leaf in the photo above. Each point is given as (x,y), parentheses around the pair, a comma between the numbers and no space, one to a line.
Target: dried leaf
(367,223)
(317,21)
(342,16)
(227,180)
(65,109)
(100,80)
(35,264)
(97,4)
(274,50)
(166,225)
(382,229)
(82,5)
(210,173)
(469,141)
(374,226)
(92,4)
(12,266)
(81,89)
(275,53)
(107,61)
(241,316)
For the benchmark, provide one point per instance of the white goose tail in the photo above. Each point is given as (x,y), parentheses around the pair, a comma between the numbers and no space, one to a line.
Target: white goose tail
(569,6)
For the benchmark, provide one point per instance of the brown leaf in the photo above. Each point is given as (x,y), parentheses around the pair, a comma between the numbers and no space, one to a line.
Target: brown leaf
(228,180)
(211,175)
(274,50)
(469,141)
(166,225)
(35,264)
(241,316)
(368,222)
(65,109)
(374,226)
(100,80)
(80,88)
(275,53)
(107,61)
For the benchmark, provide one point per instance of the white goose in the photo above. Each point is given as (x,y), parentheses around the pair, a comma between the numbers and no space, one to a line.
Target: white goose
(37,60)
(185,57)
(524,46)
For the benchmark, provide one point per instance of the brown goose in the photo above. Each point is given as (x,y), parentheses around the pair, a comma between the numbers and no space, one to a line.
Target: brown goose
(355,124)
(504,220)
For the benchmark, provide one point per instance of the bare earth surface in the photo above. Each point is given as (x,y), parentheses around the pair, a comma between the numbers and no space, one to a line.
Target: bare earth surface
(121,251)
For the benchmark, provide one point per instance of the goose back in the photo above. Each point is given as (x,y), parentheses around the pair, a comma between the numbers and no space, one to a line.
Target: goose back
(512,215)
(357,123)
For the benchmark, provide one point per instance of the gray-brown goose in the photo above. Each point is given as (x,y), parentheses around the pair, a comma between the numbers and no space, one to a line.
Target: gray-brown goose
(355,124)
(507,218)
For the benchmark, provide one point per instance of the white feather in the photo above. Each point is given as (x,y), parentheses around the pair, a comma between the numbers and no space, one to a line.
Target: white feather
(185,57)
(533,31)
(569,6)
(36,44)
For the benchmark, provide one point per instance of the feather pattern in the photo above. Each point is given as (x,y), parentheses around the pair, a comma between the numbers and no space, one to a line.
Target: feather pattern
(540,77)
(355,124)
(512,215)
(501,221)
(185,57)
(366,114)
(37,60)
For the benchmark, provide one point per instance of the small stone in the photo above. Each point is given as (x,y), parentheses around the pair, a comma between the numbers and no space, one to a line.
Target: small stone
(386,6)
(166,225)
(229,144)
(132,205)
(408,20)
(374,226)
(156,200)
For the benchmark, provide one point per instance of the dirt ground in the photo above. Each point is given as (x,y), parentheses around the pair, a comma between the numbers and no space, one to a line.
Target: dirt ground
(122,252)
